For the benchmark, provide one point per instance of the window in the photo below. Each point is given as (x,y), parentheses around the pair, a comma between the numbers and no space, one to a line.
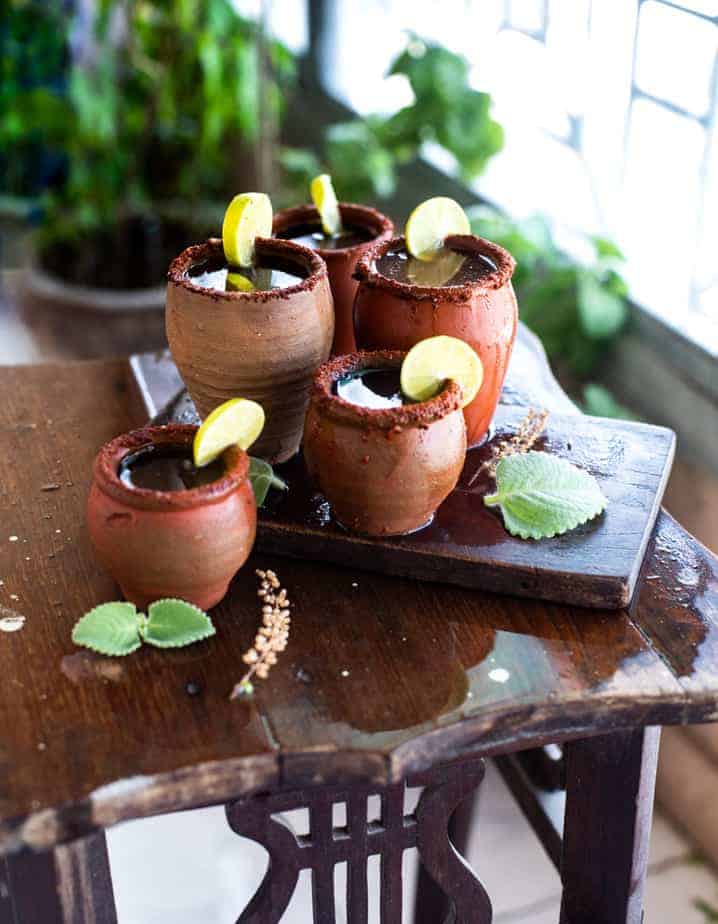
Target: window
(609,110)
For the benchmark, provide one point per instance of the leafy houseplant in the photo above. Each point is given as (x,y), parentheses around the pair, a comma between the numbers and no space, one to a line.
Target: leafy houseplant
(34,44)
(362,155)
(160,111)
(577,310)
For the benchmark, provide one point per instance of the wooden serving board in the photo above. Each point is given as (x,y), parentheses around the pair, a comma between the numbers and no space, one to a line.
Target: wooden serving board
(596,565)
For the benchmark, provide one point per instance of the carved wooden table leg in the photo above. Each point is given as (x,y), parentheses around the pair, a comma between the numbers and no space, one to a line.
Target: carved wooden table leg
(325,846)
(431,903)
(71,885)
(609,805)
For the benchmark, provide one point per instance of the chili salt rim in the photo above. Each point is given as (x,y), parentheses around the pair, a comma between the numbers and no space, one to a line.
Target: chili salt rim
(420,414)
(179,267)
(358,216)
(367,273)
(108,459)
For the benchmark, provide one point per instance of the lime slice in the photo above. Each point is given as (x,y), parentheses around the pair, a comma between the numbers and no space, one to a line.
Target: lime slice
(325,199)
(435,272)
(429,364)
(430,223)
(236,282)
(237,422)
(248,216)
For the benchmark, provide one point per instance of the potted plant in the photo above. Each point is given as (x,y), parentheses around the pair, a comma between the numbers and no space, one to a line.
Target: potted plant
(154,120)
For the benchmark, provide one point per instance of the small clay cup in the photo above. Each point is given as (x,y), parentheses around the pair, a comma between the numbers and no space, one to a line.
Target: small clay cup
(342,261)
(186,544)
(384,471)
(263,345)
(396,315)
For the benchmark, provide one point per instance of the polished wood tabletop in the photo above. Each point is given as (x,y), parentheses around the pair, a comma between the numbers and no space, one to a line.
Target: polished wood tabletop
(383,676)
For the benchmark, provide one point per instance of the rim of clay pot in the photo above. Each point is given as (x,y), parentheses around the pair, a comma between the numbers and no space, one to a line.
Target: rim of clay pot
(109,457)
(304,256)
(367,273)
(360,216)
(420,414)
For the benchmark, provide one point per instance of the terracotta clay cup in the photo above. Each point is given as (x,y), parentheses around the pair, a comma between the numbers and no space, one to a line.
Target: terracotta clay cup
(187,544)
(396,315)
(340,262)
(263,345)
(384,471)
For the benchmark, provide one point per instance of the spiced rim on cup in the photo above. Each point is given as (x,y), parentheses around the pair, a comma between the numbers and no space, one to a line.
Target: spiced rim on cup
(305,257)
(354,215)
(367,273)
(419,414)
(181,436)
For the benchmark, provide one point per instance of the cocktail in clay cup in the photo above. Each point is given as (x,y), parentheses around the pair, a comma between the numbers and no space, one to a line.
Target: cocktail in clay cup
(459,285)
(251,315)
(384,460)
(156,536)
(340,232)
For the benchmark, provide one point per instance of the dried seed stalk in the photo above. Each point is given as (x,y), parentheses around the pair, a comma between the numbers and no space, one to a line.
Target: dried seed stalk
(272,635)
(527,432)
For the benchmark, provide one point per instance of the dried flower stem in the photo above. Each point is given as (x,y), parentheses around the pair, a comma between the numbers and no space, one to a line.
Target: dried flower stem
(272,635)
(527,432)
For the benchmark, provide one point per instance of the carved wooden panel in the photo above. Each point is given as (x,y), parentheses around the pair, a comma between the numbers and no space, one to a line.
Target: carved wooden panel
(326,845)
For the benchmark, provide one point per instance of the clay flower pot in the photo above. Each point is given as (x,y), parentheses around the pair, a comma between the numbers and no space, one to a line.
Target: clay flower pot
(187,544)
(263,345)
(384,471)
(342,261)
(396,315)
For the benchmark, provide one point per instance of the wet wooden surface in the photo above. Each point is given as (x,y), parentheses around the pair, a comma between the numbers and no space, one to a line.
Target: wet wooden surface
(595,565)
(383,676)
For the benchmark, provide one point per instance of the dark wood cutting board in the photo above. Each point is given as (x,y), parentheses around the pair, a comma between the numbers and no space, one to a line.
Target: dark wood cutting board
(596,565)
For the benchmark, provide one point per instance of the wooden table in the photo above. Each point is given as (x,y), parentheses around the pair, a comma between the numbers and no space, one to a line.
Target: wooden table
(384,681)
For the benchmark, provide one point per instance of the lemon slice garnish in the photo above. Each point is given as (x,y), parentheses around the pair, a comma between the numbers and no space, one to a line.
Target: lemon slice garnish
(436,272)
(237,422)
(429,364)
(236,282)
(429,225)
(325,199)
(248,216)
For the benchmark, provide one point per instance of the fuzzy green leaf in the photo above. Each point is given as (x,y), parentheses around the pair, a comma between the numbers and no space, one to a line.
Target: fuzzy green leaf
(541,495)
(602,314)
(110,629)
(173,623)
(262,476)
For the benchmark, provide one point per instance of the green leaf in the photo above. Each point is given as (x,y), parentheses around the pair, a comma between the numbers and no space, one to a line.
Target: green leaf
(262,476)
(173,623)
(434,72)
(541,495)
(599,402)
(607,248)
(110,629)
(602,313)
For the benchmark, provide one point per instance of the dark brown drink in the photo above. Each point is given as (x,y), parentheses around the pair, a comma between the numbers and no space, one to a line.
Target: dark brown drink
(313,236)
(363,227)
(449,267)
(167,468)
(266,275)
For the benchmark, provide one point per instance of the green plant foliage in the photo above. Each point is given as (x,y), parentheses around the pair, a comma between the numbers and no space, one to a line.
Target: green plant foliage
(262,477)
(33,39)
(542,495)
(709,912)
(362,155)
(154,111)
(174,623)
(117,629)
(599,402)
(577,310)
(109,629)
